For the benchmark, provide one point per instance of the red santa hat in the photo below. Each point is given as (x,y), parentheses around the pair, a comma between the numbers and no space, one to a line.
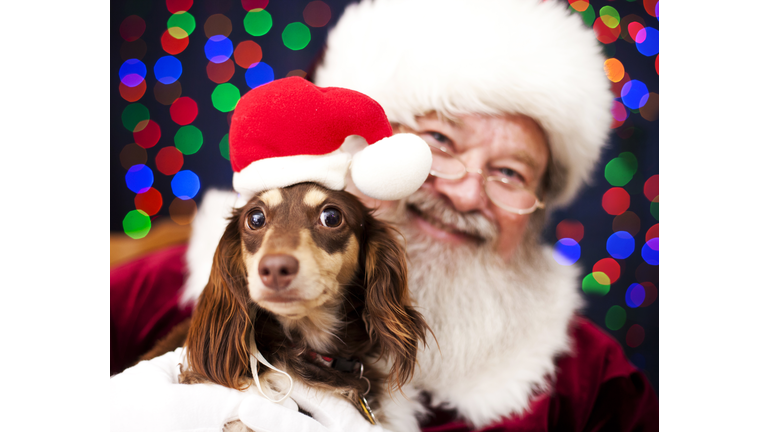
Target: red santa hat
(290,131)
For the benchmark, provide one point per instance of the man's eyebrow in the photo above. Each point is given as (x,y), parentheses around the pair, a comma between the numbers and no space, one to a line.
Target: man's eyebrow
(525,158)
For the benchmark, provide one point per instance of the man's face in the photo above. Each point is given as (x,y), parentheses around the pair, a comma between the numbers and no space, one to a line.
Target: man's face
(512,146)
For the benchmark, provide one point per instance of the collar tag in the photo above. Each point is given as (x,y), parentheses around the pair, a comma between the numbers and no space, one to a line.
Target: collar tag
(367,410)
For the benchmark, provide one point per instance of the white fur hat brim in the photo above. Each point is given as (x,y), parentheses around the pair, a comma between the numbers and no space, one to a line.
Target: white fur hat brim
(483,57)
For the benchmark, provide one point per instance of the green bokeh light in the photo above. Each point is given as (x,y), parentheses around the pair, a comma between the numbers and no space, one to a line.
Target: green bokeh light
(620,170)
(133,114)
(136,224)
(183,20)
(188,139)
(596,283)
(610,16)
(225,97)
(257,22)
(615,317)
(655,209)
(296,36)
(588,16)
(224,147)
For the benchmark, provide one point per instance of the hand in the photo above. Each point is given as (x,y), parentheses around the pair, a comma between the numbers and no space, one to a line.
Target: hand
(330,413)
(148,397)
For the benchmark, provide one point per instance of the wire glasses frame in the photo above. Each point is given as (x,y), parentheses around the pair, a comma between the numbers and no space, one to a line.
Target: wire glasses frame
(506,195)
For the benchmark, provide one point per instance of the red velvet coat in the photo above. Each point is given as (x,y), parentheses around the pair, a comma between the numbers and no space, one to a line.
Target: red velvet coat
(595,389)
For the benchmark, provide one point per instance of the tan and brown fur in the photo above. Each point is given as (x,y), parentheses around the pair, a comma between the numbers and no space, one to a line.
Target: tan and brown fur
(349,298)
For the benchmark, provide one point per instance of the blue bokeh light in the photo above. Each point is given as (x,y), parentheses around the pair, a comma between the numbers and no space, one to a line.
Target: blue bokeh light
(650,251)
(259,74)
(650,46)
(620,244)
(634,94)
(139,178)
(132,72)
(567,251)
(167,69)
(635,295)
(218,49)
(185,184)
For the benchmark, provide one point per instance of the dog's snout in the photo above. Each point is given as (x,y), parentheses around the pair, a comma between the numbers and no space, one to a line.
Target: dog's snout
(277,271)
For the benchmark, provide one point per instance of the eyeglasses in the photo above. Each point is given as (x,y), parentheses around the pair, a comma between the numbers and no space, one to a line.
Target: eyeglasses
(507,195)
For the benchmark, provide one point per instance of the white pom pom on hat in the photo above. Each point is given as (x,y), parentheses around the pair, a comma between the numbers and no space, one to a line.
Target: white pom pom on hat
(290,131)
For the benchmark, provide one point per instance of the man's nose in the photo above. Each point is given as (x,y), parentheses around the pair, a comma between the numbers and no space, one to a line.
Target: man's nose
(466,194)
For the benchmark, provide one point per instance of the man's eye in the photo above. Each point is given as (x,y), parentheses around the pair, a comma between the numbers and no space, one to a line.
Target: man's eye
(256,219)
(330,217)
(437,136)
(509,173)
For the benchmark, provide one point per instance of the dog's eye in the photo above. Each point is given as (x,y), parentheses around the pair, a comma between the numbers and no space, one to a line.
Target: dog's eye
(256,219)
(330,217)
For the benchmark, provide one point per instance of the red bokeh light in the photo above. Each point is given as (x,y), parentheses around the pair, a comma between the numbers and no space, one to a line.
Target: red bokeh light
(247,54)
(171,45)
(604,33)
(220,72)
(615,201)
(651,293)
(317,14)
(610,267)
(184,110)
(178,5)
(169,160)
(132,94)
(653,232)
(147,133)
(250,5)
(150,201)
(651,187)
(635,336)
(570,229)
(132,28)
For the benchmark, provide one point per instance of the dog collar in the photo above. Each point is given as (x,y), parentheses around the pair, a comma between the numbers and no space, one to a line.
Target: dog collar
(347,365)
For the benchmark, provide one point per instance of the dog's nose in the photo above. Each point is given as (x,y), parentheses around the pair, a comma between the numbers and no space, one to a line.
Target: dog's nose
(277,271)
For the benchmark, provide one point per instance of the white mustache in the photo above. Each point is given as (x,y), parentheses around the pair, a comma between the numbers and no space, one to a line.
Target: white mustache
(435,208)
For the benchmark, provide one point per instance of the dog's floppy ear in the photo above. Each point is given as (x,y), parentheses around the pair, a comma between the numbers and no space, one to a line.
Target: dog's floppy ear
(392,321)
(216,344)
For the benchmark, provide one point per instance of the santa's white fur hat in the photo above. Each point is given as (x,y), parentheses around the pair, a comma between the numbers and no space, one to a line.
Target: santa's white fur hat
(506,56)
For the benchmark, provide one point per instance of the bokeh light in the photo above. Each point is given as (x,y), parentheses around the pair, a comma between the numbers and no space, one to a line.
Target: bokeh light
(579,5)
(133,114)
(132,72)
(604,33)
(172,45)
(169,160)
(167,69)
(188,140)
(597,283)
(620,170)
(257,22)
(655,208)
(250,5)
(635,336)
(650,251)
(181,24)
(136,224)
(224,146)
(183,110)
(648,41)
(608,267)
(650,111)
(132,28)
(217,24)
(139,178)
(633,29)
(178,5)
(620,245)
(635,295)
(225,97)
(588,15)
(132,94)
(296,36)
(651,187)
(627,221)
(614,69)
(610,16)
(218,49)
(220,73)
(650,7)
(185,184)
(296,72)
(615,317)
(149,202)
(135,49)
(615,201)
(619,113)
(247,54)
(568,228)
(317,14)
(634,94)
(651,293)
(147,133)
(131,155)
(182,211)
(617,86)
(566,251)
(166,94)
(632,21)
(259,74)
(652,232)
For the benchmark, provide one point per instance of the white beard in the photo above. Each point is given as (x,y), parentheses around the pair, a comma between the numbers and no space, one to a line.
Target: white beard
(499,325)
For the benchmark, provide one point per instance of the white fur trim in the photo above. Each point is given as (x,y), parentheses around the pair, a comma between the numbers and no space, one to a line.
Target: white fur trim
(207,228)
(392,168)
(329,170)
(484,57)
